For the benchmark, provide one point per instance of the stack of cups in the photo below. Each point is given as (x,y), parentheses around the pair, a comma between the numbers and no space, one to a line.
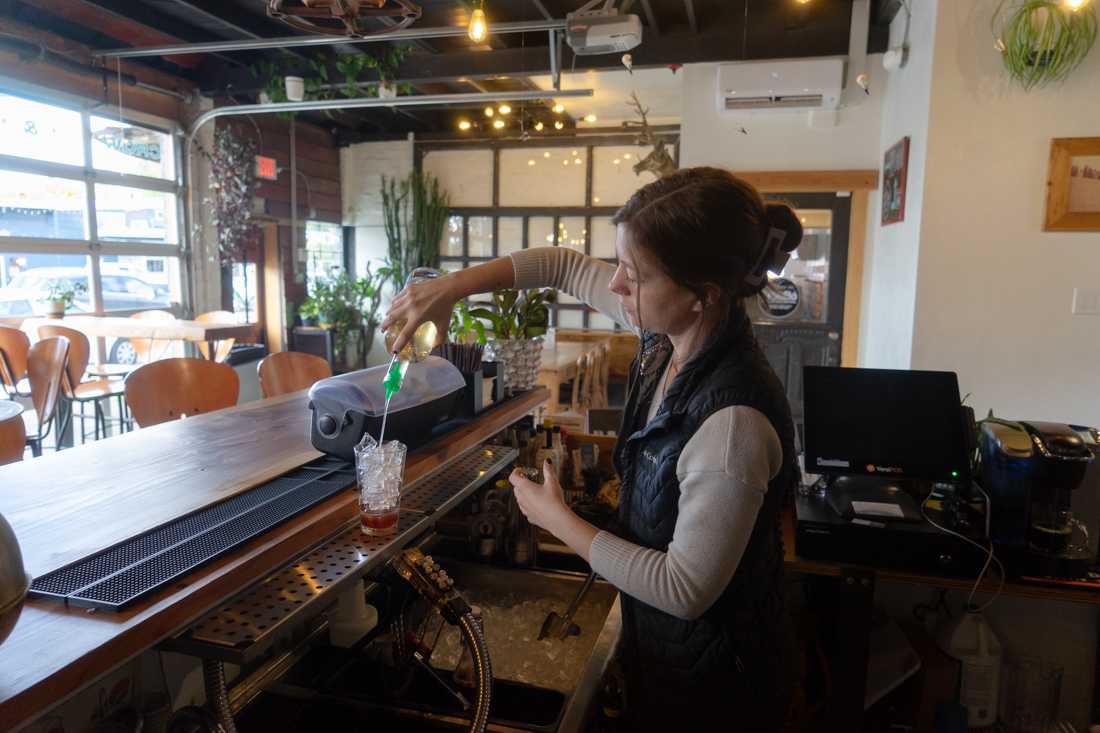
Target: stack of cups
(380,472)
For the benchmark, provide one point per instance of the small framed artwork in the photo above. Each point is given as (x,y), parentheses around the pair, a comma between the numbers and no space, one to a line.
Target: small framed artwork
(895,169)
(1073,185)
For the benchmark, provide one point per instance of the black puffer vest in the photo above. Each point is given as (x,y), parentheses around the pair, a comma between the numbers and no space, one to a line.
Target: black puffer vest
(733,668)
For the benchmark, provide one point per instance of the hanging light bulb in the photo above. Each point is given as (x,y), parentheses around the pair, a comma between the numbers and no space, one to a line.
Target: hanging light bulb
(538,127)
(1076,5)
(559,125)
(464,125)
(546,154)
(559,108)
(478,28)
(489,112)
(498,124)
(504,109)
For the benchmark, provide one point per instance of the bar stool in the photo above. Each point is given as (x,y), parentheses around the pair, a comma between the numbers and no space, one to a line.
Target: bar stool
(46,372)
(169,389)
(13,440)
(291,371)
(80,391)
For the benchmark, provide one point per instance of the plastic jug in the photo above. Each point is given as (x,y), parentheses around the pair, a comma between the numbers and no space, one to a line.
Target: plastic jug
(971,641)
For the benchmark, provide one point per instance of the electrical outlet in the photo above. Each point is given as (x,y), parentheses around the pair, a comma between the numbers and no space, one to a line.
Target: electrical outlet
(1086,301)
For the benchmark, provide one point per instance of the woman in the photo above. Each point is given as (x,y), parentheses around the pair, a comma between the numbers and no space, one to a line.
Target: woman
(705,454)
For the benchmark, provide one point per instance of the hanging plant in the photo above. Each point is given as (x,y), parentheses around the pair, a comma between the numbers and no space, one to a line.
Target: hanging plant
(1042,41)
(232,188)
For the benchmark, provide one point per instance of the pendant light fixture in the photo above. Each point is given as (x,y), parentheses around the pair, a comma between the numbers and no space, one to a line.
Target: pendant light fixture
(478,29)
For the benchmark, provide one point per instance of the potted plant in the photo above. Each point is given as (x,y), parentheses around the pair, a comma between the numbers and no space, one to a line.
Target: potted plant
(62,294)
(350,308)
(518,320)
(415,212)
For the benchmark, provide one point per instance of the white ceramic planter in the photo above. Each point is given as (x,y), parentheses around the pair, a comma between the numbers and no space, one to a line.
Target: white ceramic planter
(295,88)
(521,358)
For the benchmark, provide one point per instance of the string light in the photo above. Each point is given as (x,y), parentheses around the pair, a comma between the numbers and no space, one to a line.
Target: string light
(590,118)
(546,154)
(559,125)
(538,127)
(489,112)
(505,109)
(464,125)
(1076,5)
(531,162)
(498,124)
(559,108)
(478,28)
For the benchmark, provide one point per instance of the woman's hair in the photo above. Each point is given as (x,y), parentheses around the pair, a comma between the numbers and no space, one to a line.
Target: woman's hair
(706,225)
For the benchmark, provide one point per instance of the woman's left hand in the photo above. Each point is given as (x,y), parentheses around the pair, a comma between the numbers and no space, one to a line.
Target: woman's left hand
(543,504)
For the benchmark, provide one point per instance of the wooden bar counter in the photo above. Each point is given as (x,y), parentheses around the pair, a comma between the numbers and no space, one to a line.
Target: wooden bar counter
(68,505)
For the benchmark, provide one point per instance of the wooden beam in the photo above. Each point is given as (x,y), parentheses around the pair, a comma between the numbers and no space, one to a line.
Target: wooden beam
(810,181)
(853,281)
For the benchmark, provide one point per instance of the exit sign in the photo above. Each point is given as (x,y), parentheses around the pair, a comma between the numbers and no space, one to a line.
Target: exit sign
(266,168)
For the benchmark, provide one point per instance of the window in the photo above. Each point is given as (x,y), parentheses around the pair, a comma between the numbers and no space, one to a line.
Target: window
(553,193)
(64,218)
(245,291)
(324,249)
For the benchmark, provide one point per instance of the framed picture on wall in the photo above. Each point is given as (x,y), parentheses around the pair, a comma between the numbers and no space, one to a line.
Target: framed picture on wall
(1073,185)
(895,169)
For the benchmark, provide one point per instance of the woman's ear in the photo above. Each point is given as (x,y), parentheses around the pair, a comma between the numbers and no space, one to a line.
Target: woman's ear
(712,296)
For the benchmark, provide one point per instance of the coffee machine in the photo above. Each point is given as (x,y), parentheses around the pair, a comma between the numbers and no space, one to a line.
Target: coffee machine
(1031,470)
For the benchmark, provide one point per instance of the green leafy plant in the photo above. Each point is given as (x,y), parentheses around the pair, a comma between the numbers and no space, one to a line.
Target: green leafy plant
(1042,41)
(345,304)
(232,188)
(65,291)
(517,315)
(415,212)
(465,326)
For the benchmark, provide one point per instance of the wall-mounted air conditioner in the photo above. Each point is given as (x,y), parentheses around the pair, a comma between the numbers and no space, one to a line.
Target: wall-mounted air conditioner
(756,86)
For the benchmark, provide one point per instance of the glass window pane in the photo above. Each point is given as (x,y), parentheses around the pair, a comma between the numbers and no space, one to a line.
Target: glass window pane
(603,237)
(25,281)
(570,318)
(801,291)
(600,321)
(542,177)
(125,148)
(540,231)
(613,176)
(40,131)
(510,231)
(324,248)
(572,232)
(246,293)
(134,283)
(481,236)
(451,246)
(465,175)
(124,213)
(37,206)
(451,265)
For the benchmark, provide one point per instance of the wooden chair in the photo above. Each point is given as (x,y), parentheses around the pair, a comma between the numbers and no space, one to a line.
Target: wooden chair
(13,435)
(173,388)
(81,391)
(149,350)
(573,418)
(291,371)
(598,375)
(224,346)
(14,346)
(46,372)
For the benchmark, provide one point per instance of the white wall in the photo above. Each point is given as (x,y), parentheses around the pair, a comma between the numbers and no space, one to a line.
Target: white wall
(890,259)
(994,291)
(778,141)
(361,169)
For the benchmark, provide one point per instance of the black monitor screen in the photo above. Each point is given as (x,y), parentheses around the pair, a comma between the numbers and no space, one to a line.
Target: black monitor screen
(884,422)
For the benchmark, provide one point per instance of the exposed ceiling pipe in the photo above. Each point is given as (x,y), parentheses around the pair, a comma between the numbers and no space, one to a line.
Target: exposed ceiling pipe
(409,34)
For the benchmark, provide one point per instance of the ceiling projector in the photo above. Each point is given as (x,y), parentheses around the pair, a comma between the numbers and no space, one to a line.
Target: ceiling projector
(601,31)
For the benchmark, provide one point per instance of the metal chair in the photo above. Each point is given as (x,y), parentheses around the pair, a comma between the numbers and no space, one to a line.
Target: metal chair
(46,372)
(169,389)
(291,371)
(224,346)
(82,392)
(14,345)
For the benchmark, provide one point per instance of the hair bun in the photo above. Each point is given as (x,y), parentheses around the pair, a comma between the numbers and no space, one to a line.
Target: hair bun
(782,216)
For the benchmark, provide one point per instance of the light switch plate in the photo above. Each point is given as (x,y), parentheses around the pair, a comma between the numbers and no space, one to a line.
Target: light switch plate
(1086,301)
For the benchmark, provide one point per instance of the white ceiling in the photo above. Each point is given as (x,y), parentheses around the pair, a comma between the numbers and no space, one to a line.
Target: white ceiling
(658,89)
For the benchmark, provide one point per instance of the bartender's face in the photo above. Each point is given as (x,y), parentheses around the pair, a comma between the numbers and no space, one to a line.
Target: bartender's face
(652,299)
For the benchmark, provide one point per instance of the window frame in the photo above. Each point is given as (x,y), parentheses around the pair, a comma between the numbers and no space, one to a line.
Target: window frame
(495,211)
(93,246)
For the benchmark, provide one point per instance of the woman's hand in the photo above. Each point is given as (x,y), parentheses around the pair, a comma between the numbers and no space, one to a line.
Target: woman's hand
(430,300)
(543,504)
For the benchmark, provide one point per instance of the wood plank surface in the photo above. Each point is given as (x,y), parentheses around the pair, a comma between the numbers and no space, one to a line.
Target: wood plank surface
(804,181)
(104,326)
(67,504)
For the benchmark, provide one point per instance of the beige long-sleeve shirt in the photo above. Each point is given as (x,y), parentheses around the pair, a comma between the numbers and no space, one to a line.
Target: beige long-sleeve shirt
(723,470)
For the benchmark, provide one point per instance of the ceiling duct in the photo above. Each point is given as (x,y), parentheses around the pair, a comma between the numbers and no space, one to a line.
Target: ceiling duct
(350,18)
